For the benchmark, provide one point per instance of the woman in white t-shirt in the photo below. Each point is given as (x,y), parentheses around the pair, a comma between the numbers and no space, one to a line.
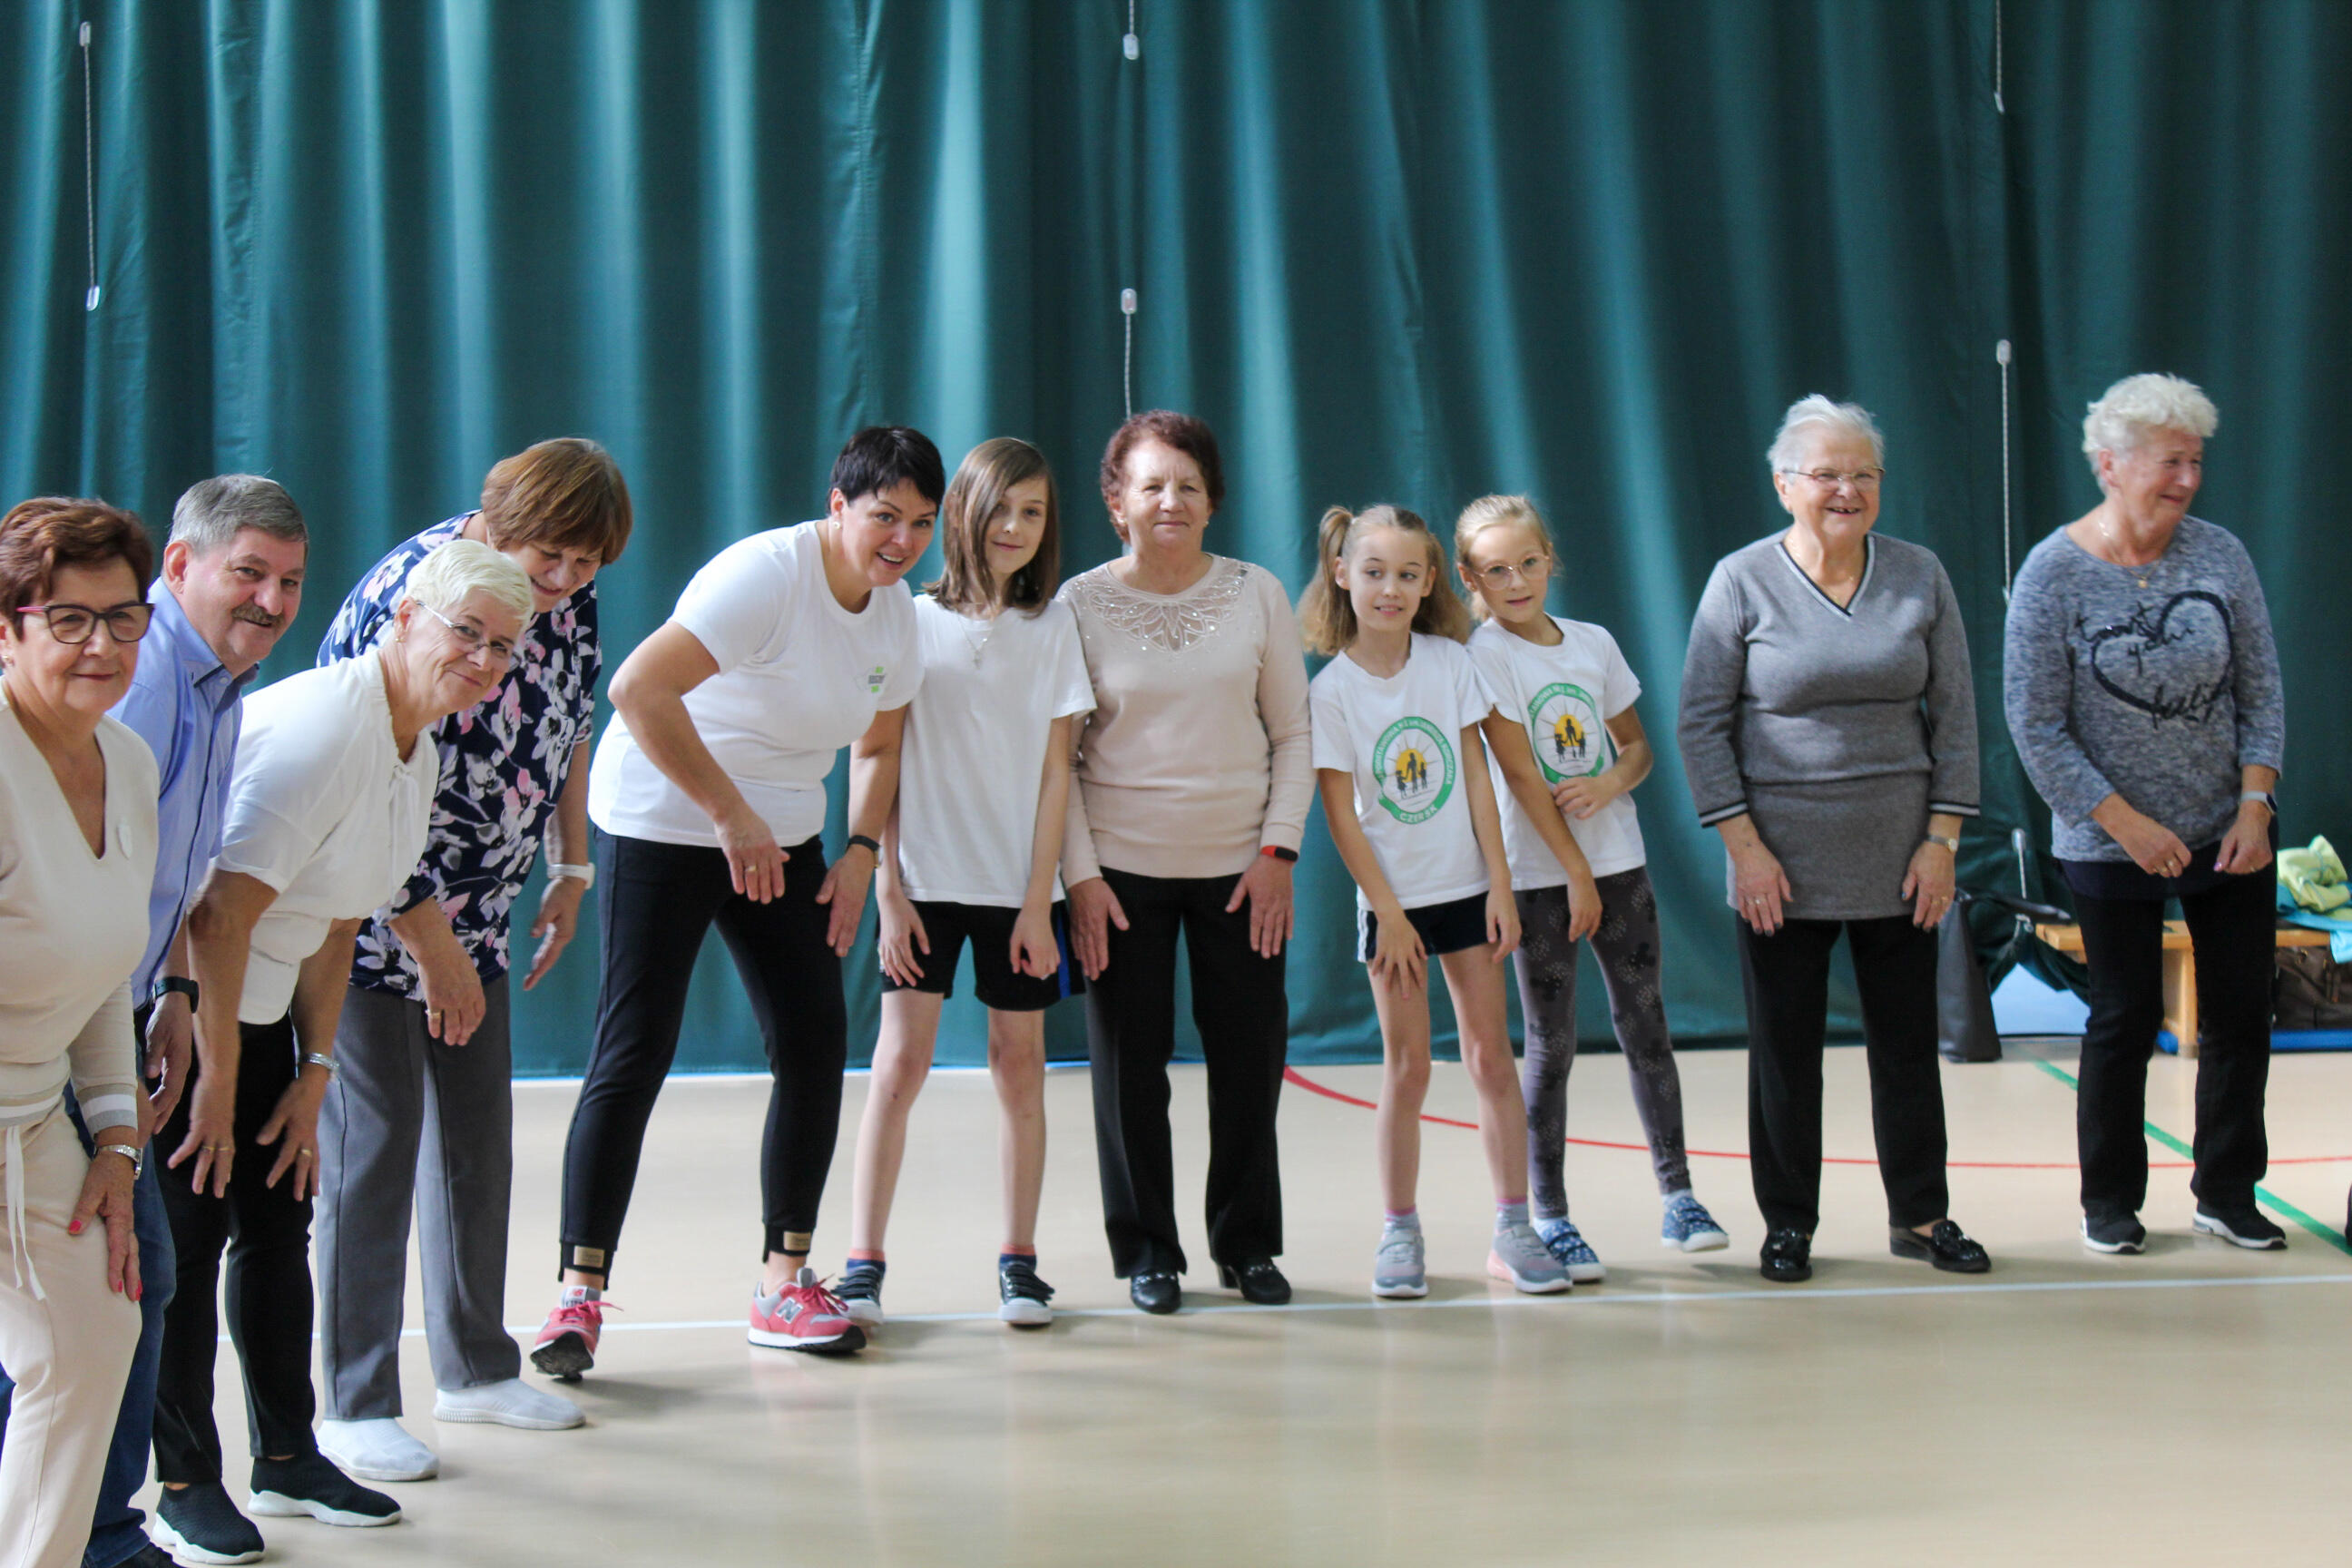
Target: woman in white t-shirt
(1570,688)
(1398,717)
(708,793)
(972,851)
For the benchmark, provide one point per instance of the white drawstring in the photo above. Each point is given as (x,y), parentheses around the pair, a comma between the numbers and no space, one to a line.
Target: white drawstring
(19,1252)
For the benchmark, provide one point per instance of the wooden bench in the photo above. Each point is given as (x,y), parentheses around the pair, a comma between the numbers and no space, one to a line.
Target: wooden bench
(2179,970)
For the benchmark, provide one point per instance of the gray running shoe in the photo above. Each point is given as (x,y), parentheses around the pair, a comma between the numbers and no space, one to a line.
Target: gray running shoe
(1521,1257)
(1400,1267)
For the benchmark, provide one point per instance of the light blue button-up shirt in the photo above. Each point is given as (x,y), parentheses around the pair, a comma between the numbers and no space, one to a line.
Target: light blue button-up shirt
(184,703)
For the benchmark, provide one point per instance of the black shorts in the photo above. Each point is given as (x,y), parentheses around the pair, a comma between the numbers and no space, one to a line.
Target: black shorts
(994,981)
(1442,928)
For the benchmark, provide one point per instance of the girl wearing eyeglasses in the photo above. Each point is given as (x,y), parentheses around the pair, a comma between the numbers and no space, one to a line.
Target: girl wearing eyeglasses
(1566,684)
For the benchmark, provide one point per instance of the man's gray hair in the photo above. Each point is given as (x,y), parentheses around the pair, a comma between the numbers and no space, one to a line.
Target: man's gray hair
(210,512)
(1818,411)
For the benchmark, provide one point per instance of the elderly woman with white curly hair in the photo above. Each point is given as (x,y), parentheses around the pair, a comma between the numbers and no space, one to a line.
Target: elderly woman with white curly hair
(1829,732)
(2142,687)
(328,812)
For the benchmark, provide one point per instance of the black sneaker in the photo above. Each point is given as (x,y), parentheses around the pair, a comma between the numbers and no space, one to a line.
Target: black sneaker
(198,1524)
(2122,1234)
(2247,1228)
(859,1290)
(1023,1295)
(309,1483)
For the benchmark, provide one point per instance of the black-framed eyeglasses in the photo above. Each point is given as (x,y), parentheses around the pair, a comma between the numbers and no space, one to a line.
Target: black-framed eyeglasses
(472,638)
(74,624)
(1526,570)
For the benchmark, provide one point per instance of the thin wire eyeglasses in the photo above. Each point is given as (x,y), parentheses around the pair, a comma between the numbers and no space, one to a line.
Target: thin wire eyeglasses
(473,639)
(1830,479)
(1526,570)
(74,624)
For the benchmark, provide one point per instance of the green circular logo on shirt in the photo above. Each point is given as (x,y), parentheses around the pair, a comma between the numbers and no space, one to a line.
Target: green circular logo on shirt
(1415,765)
(1571,740)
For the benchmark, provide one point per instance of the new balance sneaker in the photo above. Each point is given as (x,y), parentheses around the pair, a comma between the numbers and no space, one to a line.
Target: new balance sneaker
(566,1345)
(2248,1227)
(804,1316)
(1401,1267)
(198,1524)
(1023,1299)
(2121,1234)
(1575,1253)
(859,1289)
(1521,1257)
(377,1449)
(1689,1227)
(310,1484)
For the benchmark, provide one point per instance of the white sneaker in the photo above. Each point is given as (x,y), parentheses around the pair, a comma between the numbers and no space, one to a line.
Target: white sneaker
(377,1450)
(512,1403)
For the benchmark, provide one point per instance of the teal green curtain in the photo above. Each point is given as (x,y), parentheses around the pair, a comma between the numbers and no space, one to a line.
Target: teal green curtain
(1408,251)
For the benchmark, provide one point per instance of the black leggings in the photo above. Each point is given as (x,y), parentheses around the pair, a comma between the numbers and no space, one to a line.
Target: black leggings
(266,1231)
(659,900)
(1626,946)
(2230,928)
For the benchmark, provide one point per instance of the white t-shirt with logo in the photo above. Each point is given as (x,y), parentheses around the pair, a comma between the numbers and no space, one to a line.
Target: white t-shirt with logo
(1401,740)
(799,677)
(974,755)
(1564,696)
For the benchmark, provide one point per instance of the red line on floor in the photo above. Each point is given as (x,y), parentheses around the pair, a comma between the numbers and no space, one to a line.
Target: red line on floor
(1292,1075)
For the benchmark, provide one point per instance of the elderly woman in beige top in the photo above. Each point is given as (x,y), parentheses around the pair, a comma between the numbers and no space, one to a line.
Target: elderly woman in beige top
(1194,776)
(78,793)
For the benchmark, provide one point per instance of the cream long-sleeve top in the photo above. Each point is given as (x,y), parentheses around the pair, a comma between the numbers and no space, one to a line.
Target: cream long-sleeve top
(73,926)
(1197,754)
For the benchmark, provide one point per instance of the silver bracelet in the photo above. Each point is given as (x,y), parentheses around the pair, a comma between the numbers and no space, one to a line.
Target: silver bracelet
(319,1059)
(584,875)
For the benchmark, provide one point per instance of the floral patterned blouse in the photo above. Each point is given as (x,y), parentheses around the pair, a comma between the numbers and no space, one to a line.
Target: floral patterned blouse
(503,766)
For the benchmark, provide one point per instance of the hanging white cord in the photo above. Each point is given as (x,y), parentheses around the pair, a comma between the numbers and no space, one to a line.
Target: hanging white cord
(88,171)
(1999,106)
(1126,365)
(1131,45)
(2007,574)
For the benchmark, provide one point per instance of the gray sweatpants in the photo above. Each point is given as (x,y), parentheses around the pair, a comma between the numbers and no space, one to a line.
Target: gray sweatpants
(1626,945)
(409,1119)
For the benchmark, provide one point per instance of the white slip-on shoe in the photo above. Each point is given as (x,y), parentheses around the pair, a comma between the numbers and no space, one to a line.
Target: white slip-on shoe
(509,1403)
(378,1449)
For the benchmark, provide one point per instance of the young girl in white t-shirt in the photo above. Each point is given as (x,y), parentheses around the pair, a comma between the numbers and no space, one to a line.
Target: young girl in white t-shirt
(1399,762)
(973,850)
(1567,685)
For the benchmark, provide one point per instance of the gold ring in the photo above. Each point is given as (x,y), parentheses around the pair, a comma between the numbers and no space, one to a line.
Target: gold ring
(302,1154)
(217,1148)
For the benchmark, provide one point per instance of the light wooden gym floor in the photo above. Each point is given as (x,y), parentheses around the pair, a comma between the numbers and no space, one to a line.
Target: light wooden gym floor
(2188,1405)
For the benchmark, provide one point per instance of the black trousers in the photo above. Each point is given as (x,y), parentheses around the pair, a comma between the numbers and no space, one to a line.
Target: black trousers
(1787,978)
(1244,1015)
(266,1231)
(2230,928)
(659,900)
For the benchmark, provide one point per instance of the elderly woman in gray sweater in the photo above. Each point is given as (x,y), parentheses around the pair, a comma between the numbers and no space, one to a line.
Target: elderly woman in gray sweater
(2142,689)
(1829,732)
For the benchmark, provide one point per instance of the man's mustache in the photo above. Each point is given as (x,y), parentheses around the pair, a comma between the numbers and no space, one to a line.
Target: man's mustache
(257,617)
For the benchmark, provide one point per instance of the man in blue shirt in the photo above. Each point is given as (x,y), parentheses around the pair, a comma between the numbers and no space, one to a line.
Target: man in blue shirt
(231,583)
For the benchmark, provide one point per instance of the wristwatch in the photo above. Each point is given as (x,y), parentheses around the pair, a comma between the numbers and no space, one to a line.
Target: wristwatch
(168,984)
(2270,801)
(1277,852)
(1951,844)
(134,1152)
(584,875)
(860,841)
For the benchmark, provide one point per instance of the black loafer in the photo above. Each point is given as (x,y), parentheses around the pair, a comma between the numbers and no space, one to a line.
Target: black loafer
(1155,1292)
(1258,1280)
(1787,1257)
(1947,1246)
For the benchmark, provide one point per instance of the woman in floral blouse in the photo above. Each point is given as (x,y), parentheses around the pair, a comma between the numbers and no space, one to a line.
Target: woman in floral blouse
(424,1100)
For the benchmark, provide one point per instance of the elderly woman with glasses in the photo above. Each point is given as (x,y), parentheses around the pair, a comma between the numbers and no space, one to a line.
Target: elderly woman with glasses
(1829,732)
(327,813)
(421,1115)
(77,857)
(2143,688)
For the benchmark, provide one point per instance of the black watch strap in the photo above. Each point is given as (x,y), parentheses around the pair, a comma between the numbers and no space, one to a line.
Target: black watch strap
(859,838)
(170,983)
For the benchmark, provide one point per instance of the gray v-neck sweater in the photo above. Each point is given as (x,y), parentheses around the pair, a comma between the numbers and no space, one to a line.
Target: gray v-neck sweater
(1782,687)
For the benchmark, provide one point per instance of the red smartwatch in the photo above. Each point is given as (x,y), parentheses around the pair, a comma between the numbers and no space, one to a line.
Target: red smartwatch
(1277,852)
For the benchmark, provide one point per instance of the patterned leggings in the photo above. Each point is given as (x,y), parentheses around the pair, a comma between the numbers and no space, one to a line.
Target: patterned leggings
(1627,946)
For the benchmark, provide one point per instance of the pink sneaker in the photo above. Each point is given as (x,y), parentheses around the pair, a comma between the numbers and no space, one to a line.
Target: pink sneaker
(566,1346)
(804,1316)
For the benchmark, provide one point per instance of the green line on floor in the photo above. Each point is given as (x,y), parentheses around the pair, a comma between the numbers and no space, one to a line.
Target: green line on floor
(2325,1232)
